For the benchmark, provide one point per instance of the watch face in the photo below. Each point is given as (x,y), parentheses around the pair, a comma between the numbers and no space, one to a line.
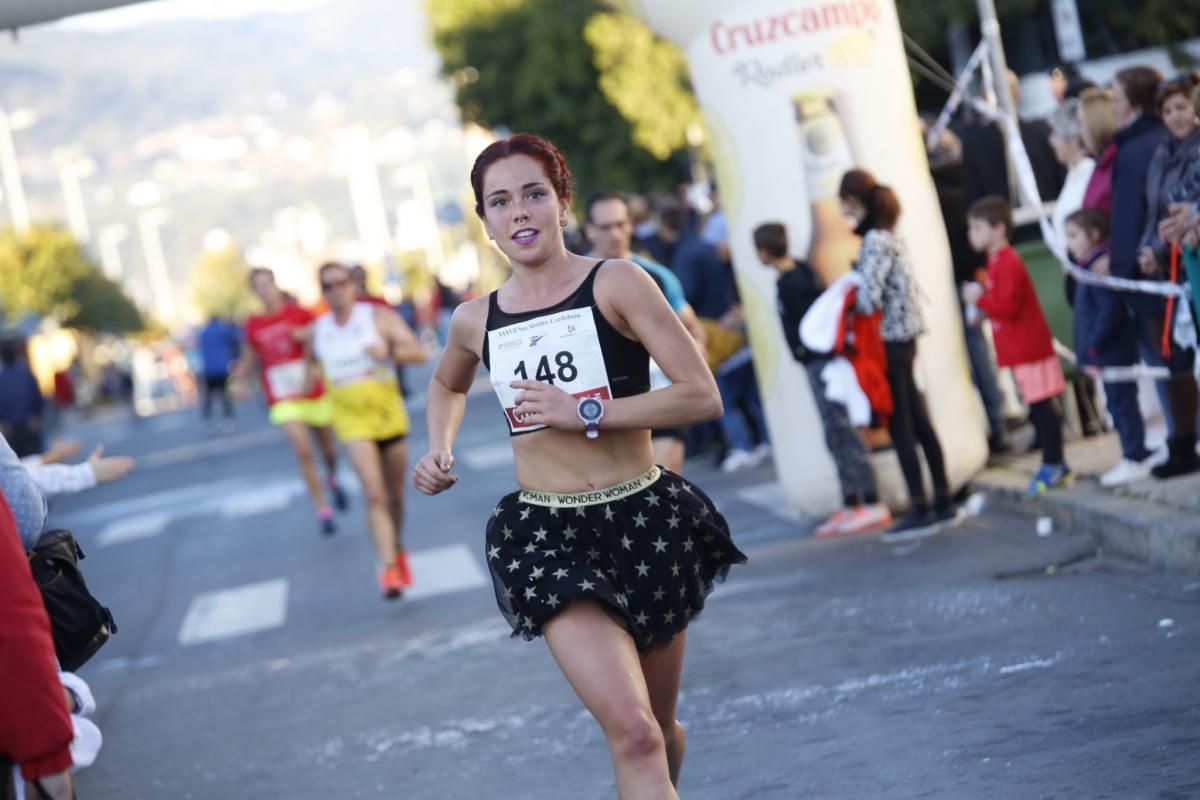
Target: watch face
(591,409)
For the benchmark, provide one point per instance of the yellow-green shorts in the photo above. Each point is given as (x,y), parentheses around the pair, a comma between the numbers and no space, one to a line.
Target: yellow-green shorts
(315,413)
(371,410)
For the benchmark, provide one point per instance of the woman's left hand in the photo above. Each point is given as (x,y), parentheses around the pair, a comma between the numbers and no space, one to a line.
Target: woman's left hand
(544,404)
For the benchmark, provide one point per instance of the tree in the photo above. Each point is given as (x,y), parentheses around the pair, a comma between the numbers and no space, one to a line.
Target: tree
(220,286)
(526,65)
(38,271)
(44,272)
(103,306)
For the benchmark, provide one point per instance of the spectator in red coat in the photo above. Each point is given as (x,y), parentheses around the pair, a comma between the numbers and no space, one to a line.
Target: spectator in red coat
(35,723)
(1022,336)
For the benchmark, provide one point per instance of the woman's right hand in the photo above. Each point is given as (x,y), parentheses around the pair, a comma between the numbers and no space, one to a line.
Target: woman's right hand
(432,475)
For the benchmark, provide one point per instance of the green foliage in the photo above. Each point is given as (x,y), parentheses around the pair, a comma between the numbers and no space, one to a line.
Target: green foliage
(646,78)
(220,285)
(103,306)
(526,65)
(38,271)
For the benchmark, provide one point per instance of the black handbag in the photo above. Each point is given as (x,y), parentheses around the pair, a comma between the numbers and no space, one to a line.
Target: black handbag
(79,623)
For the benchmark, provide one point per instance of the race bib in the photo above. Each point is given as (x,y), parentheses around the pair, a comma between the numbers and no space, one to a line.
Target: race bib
(561,349)
(288,381)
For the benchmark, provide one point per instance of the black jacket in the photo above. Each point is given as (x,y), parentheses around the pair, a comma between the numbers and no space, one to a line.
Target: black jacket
(797,290)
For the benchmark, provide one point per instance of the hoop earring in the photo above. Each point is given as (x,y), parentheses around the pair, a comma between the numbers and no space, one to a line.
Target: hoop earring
(562,223)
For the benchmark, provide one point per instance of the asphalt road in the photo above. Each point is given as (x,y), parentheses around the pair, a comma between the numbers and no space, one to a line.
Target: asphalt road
(255,659)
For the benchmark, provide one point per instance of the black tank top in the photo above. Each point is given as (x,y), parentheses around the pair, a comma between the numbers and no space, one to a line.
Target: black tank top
(569,344)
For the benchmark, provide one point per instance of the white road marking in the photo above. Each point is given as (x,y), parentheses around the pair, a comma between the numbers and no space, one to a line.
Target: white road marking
(261,501)
(129,529)
(771,497)
(488,456)
(235,612)
(443,570)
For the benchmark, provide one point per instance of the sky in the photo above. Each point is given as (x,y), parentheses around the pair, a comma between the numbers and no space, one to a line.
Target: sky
(155,11)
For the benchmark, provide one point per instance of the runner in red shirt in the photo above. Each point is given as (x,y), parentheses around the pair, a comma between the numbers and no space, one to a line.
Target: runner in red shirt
(299,404)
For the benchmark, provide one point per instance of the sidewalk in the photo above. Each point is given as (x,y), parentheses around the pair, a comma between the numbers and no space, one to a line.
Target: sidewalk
(1156,522)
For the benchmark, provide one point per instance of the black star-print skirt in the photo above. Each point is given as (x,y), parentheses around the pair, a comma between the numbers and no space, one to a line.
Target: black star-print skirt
(649,549)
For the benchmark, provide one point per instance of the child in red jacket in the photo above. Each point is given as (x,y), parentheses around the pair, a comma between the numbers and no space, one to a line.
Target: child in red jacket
(1022,337)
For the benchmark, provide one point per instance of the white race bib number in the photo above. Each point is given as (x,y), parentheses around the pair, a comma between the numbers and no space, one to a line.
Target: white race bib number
(561,349)
(288,381)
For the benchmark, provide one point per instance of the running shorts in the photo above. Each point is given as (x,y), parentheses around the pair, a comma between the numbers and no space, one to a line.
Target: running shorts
(372,410)
(315,413)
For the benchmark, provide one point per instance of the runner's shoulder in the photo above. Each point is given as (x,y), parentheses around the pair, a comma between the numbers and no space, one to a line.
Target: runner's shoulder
(471,315)
(620,277)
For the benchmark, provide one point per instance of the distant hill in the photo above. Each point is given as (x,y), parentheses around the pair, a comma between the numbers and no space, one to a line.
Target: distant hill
(232,119)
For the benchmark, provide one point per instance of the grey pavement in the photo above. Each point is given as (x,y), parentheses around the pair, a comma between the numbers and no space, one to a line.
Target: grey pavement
(256,660)
(1152,521)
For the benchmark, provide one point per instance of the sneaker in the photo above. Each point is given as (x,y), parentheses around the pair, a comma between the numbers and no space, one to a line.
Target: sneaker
(762,452)
(1126,471)
(391,582)
(404,569)
(1050,476)
(340,501)
(917,523)
(865,519)
(738,460)
(1158,457)
(948,515)
(830,526)
(1182,459)
(325,518)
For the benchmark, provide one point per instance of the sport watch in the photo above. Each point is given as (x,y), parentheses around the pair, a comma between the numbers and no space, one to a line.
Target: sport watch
(591,411)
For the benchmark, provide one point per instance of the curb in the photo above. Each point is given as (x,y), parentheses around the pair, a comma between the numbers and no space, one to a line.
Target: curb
(1165,538)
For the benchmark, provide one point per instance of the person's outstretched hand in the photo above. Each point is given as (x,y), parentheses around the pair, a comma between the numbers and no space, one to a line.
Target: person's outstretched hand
(109,469)
(60,451)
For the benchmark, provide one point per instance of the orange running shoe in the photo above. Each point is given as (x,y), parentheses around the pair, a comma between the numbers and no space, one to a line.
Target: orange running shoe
(391,582)
(403,567)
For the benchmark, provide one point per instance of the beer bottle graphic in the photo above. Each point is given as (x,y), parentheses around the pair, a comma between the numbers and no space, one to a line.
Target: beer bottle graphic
(833,246)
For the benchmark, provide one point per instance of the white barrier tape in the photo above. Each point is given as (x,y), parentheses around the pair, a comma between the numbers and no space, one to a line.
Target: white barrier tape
(1130,373)
(956,97)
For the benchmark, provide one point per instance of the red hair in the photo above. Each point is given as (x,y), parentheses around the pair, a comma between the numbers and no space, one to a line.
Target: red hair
(541,150)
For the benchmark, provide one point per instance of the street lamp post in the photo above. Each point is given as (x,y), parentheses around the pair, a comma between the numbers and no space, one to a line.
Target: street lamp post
(156,261)
(111,238)
(71,169)
(14,189)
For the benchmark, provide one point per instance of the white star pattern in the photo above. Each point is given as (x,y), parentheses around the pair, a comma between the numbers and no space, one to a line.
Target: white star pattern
(587,586)
(659,545)
(687,487)
(683,592)
(642,569)
(527,624)
(652,499)
(688,545)
(525,513)
(569,533)
(508,532)
(530,593)
(673,491)
(536,573)
(550,553)
(579,512)
(514,566)
(673,521)
(626,542)
(640,520)
(608,513)
(508,595)
(622,600)
(560,573)
(675,570)
(553,511)
(540,534)
(553,601)
(696,567)
(530,549)
(659,594)
(593,554)
(497,511)
(493,552)
(641,618)
(669,617)
(599,573)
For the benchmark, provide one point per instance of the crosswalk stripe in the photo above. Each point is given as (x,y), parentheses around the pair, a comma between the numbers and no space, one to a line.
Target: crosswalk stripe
(261,501)
(235,612)
(443,570)
(141,526)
